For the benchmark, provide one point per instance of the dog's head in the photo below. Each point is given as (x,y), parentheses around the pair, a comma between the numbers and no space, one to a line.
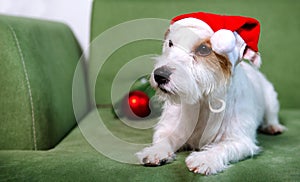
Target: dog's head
(197,61)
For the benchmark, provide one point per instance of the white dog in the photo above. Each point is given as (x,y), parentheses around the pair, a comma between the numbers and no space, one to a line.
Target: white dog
(214,102)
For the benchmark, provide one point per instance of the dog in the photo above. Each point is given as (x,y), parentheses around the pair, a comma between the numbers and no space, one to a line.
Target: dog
(214,102)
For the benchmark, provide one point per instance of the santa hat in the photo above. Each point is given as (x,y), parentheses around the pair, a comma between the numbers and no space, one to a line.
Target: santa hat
(228,33)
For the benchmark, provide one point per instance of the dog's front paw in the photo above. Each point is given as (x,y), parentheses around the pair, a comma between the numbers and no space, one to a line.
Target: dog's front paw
(204,163)
(155,156)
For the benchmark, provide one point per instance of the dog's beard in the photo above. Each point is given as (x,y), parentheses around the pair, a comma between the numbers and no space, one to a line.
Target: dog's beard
(188,89)
(182,87)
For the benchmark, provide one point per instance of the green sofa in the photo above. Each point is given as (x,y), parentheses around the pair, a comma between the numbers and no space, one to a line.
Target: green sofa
(49,123)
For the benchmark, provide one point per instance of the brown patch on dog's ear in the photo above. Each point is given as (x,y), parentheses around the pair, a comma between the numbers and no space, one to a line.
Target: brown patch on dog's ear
(166,34)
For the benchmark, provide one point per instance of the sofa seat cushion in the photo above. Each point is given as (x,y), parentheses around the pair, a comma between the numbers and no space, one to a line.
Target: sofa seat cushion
(75,159)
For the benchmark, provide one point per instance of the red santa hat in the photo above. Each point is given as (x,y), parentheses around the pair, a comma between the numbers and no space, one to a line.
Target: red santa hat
(224,27)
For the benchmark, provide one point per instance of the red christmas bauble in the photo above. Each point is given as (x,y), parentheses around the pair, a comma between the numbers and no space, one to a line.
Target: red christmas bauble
(136,105)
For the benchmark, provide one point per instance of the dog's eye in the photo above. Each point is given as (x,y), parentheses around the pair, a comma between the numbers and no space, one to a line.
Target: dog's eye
(203,50)
(170,43)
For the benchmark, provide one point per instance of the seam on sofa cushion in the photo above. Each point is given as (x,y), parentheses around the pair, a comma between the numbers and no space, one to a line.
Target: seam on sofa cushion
(28,85)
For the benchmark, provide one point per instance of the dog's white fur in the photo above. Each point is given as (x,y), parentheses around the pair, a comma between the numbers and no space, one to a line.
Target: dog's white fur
(206,108)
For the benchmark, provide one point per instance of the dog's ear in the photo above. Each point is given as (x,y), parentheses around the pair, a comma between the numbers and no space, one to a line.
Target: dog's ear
(231,44)
(246,53)
(253,57)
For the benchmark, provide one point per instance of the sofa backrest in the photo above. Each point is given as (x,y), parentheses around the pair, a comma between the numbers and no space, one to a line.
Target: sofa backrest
(37,63)
(278,40)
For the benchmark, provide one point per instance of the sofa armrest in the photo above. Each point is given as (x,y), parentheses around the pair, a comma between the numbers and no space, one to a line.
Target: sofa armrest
(37,63)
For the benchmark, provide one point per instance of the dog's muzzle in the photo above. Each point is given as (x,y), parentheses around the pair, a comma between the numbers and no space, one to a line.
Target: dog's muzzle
(162,75)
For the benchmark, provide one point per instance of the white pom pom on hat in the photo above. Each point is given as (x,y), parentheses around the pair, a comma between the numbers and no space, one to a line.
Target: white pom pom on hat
(223,41)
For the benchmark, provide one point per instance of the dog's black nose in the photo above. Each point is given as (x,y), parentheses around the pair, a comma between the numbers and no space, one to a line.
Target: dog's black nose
(162,75)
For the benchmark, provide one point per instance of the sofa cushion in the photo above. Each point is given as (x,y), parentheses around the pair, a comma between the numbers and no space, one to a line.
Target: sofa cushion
(74,159)
(37,63)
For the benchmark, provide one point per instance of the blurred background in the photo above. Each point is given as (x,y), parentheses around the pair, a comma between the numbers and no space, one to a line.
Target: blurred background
(76,15)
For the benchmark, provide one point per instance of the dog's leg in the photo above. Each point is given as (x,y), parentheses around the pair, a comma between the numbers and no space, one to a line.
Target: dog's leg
(173,130)
(271,123)
(216,157)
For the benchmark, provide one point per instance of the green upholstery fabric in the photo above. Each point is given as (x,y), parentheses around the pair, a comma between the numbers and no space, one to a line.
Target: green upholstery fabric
(37,63)
(75,160)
